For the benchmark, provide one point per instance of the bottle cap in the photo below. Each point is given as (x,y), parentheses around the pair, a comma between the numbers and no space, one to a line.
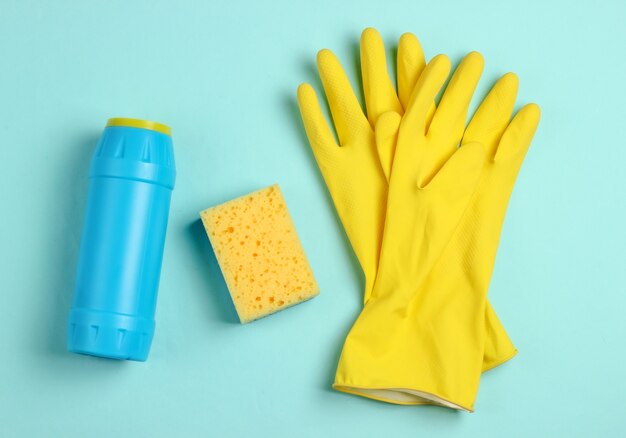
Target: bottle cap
(139,123)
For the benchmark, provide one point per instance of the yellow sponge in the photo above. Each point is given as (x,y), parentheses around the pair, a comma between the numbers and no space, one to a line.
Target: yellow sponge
(259,252)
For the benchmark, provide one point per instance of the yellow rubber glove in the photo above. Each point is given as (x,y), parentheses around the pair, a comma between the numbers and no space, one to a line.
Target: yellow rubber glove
(414,343)
(380,97)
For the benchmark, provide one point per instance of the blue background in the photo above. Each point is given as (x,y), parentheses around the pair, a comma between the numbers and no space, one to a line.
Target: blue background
(223,74)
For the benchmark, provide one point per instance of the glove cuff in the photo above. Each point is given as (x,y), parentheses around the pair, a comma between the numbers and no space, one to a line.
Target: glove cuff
(388,356)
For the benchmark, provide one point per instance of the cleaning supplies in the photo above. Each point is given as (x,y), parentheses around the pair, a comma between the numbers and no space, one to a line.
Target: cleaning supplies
(352,171)
(259,253)
(413,343)
(131,178)
(426,330)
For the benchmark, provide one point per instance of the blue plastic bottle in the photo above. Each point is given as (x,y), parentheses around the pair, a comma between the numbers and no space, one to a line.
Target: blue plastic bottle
(130,184)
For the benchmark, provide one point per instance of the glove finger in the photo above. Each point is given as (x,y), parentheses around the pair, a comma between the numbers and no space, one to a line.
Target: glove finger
(410,64)
(459,176)
(317,130)
(386,138)
(380,93)
(347,114)
(518,136)
(493,114)
(452,110)
(428,86)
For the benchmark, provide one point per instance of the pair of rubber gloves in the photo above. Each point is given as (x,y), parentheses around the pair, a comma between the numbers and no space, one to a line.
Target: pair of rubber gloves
(422,198)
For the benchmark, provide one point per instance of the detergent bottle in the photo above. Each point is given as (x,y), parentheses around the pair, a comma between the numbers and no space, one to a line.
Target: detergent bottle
(131,179)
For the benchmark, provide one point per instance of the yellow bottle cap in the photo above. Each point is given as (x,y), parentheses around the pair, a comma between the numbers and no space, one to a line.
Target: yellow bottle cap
(138,123)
